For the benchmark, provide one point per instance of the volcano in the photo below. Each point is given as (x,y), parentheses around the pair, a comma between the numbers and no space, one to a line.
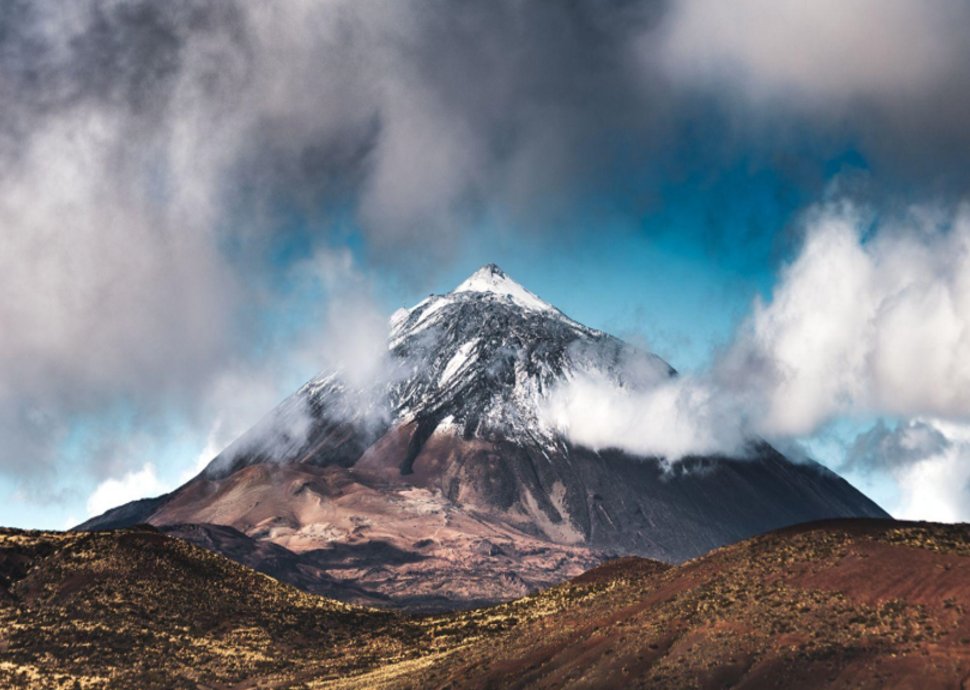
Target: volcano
(444,485)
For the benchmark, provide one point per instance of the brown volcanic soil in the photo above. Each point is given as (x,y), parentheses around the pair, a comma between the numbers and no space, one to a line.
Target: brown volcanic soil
(365,540)
(859,603)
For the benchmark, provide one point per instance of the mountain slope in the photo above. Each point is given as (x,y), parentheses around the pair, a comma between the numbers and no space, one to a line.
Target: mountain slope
(448,485)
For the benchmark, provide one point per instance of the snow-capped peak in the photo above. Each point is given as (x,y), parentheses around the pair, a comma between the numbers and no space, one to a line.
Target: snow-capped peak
(493,280)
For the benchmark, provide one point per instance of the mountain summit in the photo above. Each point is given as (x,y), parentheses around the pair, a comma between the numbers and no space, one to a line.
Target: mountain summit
(444,486)
(491,279)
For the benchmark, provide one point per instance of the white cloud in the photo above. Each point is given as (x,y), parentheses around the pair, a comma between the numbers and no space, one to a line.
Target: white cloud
(929,459)
(214,443)
(669,419)
(131,486)
(867,319)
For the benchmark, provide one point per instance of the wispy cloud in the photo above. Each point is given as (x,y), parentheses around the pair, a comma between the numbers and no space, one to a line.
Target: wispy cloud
(154,155)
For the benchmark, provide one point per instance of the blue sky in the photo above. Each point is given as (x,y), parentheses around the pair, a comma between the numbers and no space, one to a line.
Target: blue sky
(771,195)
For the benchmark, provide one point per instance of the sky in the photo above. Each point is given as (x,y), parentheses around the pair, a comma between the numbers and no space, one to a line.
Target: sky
(204,203)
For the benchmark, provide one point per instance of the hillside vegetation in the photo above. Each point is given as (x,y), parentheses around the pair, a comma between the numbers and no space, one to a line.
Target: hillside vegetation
(860,603)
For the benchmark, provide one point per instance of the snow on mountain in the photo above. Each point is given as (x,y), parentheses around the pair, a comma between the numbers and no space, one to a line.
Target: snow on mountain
(459,360)
(488,353)
(490,279)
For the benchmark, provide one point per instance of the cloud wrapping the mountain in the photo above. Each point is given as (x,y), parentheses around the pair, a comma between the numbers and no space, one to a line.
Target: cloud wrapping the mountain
(671,419)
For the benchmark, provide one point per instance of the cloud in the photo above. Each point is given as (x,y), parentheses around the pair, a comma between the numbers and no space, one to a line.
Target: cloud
(213,445)
(938,486)
(821,50)
(339,328)
(355,330)
(629,399)
(882,447)
(114,287)
(160,161)
(339,331)
(886,76)
(133,485)
(930,461)
(672,419)
(167,168)
(872,317)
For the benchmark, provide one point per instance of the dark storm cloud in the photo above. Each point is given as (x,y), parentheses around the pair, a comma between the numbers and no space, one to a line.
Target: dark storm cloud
(419,113)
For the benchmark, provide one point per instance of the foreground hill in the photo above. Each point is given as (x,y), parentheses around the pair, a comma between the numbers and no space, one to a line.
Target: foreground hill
(869,604)
(445,484)
(135,608)
(855,603)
